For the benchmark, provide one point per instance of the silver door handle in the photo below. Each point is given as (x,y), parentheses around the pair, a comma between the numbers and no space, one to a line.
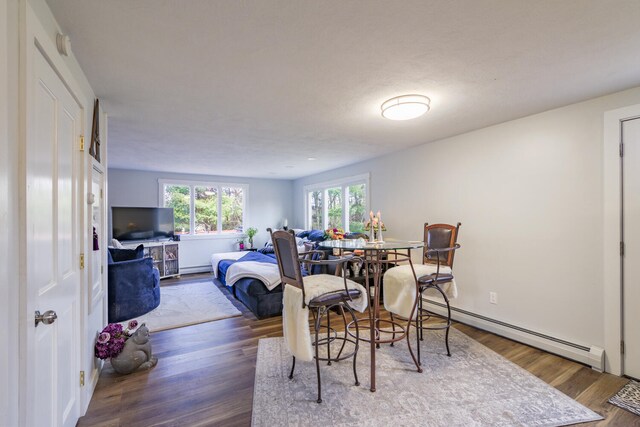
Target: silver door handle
(47,318)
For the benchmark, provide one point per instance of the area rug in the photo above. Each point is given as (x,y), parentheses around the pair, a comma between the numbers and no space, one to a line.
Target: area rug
(473,387)
(628,397)
(188,304)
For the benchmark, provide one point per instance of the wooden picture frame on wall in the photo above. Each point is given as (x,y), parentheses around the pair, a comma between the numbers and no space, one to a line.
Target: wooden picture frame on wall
(94,149)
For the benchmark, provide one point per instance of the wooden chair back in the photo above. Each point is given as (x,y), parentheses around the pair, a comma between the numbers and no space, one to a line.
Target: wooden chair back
(286,250)
(440,236)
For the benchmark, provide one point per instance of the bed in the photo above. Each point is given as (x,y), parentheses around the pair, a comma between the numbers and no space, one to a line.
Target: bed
(263,299)
(257,283)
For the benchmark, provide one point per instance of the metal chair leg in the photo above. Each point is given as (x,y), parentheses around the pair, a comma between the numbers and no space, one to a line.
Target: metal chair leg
(344,319)
(293,366)
(421,312)
(446,334)
(329,337)
(355,352)
(317,330)
(393,328)
(418,324)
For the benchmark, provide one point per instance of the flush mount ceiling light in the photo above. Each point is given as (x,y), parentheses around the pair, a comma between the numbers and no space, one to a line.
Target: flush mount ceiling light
(405,107)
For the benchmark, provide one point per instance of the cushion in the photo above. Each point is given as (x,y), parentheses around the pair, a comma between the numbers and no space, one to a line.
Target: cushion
(119,255)
(316,236)
(303,234)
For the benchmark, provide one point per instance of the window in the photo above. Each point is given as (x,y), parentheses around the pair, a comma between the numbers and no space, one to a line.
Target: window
(205,208)
(338,204)
(178,197)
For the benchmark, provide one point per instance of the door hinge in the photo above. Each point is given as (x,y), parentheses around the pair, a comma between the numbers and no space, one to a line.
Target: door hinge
(81,378)
(101,193)
(81,142)
(102,269)
(621,347)
(81,261)
(621,248)
(621,149)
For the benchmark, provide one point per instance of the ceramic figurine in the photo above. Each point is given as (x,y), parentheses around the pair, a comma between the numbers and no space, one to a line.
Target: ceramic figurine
(136,353)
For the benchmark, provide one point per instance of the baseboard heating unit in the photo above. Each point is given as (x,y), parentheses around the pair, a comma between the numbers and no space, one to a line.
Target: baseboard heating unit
(592,356)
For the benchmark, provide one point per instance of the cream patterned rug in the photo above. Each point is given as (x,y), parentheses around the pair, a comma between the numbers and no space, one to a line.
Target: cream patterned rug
(473,387)
(188,304)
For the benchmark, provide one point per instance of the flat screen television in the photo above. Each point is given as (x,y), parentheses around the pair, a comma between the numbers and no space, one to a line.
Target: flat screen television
(142,223)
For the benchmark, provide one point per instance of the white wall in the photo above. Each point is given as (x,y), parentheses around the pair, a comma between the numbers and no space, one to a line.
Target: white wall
(529,194)
(269,201)
(9,363)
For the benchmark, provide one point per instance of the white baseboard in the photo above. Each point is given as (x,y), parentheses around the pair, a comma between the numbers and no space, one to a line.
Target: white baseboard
(196,269)
(589,355)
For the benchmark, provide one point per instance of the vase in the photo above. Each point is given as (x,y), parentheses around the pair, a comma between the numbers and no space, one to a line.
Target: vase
(136,353)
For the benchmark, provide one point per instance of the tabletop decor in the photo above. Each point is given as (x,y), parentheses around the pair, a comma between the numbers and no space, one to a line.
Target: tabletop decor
(334,234)
(127,350)
(375,227)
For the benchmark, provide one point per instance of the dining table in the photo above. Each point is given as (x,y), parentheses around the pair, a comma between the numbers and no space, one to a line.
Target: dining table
(377,256)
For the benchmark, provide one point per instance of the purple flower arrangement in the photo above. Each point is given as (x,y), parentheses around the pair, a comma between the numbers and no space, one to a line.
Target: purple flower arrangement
(111,340)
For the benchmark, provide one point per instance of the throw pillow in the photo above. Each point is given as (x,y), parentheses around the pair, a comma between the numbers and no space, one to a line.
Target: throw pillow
(316,236)
(120,255)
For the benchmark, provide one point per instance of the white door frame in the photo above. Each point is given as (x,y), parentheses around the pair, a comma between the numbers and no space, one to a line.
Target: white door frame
(612,235)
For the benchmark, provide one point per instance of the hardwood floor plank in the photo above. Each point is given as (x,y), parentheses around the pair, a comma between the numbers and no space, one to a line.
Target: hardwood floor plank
(205,375)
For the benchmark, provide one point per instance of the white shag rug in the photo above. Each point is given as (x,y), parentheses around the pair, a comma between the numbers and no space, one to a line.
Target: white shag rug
(473,387)
(188,304)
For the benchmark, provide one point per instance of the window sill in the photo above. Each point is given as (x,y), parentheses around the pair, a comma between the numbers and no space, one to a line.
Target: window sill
(224,236)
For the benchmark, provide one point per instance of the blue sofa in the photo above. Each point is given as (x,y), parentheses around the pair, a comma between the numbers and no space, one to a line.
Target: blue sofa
(134,284)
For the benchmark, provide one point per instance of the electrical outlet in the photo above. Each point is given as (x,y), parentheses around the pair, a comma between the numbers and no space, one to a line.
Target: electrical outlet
(493,297)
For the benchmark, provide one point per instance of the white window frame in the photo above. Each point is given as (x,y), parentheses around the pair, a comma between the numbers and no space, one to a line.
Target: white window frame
(344,183)
(192,211)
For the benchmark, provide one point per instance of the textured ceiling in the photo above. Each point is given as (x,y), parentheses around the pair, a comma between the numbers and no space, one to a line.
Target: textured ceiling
(254,88)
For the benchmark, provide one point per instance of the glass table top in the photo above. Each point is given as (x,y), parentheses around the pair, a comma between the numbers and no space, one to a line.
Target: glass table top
(362,244)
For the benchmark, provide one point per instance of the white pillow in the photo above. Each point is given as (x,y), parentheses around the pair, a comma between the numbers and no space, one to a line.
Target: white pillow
(116,244)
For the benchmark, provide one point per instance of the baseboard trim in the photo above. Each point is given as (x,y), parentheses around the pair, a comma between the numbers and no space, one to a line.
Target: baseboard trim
(196,269)
(589,355)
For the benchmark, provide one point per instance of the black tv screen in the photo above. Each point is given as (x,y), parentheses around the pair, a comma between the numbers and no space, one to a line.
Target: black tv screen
(142,223)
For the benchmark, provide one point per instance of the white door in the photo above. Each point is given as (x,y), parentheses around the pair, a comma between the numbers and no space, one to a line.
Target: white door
(52,264)
(96,291)
(631,236)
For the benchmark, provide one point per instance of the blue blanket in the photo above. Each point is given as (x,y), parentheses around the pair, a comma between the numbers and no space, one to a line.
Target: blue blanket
(224,265)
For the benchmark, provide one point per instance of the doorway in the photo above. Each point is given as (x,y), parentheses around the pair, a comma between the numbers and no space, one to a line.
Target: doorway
(630,248)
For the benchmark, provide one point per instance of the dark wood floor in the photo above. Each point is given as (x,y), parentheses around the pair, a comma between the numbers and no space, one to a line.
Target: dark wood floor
(205,375)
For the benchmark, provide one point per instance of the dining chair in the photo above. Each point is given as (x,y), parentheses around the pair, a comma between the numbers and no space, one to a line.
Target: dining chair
(439,250)
(321,294)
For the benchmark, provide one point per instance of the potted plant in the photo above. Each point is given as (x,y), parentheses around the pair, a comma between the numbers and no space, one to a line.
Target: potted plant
(252,231)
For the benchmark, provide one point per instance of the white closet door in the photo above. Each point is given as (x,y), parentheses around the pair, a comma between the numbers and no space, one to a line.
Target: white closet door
(631,219)
(53,279)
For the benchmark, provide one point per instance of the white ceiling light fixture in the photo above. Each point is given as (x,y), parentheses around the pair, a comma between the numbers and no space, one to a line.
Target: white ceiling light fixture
(405,107)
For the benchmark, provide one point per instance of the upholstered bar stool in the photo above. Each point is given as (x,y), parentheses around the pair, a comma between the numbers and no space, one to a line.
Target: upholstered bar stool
(320,293)
(439,251)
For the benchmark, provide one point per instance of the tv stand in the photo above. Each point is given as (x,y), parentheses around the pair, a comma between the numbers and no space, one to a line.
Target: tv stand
(165,254)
